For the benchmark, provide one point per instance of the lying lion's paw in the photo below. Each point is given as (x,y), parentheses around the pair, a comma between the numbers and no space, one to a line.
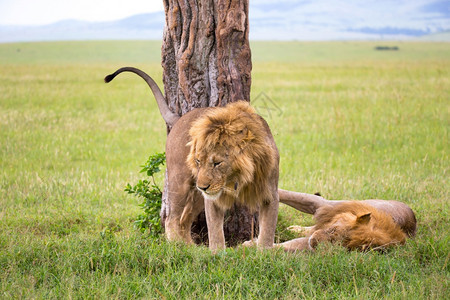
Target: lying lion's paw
(317,237)
(299,229)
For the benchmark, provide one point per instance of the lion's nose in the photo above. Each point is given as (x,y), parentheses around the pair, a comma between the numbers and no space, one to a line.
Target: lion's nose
(203,188)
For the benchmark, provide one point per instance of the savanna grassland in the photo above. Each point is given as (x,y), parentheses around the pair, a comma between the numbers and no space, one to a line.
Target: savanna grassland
(350,122)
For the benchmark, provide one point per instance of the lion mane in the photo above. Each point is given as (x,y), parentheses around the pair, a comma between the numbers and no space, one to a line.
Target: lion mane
(243,133)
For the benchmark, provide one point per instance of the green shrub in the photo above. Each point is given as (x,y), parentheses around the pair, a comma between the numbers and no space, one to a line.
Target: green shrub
(150,194)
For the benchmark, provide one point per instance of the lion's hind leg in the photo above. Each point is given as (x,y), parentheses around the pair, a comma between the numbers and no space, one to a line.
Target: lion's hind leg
(195,205)
(179,220)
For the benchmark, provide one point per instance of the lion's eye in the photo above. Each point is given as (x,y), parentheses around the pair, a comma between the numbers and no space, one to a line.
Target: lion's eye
(197,162)
(217,163)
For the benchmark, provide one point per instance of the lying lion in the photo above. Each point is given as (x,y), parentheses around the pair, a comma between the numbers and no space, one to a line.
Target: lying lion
(361,225)
(216,157)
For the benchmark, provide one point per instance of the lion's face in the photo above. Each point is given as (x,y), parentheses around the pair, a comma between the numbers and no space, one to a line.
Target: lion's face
(214,174)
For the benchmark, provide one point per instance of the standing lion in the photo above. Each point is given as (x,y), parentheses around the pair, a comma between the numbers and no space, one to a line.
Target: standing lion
(217,156)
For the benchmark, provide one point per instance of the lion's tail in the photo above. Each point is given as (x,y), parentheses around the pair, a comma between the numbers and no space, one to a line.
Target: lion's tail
(169,117)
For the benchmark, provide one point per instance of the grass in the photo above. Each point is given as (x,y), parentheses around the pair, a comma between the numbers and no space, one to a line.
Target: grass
(350,122)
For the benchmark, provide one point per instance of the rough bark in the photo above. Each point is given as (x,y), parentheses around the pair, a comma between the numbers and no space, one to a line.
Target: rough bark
(206,54)
(207,62)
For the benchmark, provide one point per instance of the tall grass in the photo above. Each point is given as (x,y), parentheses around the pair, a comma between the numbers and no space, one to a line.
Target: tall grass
(350,122)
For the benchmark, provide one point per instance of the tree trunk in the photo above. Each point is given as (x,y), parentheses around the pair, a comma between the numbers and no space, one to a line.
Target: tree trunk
(207,62)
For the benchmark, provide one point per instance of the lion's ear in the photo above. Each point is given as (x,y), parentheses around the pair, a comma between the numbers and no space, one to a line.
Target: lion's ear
(364,219)
(245,138)
(243,132)
(246,135)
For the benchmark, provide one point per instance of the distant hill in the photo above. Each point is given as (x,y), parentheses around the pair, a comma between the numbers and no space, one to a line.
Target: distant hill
(347,20)
(275,20)
(144,26)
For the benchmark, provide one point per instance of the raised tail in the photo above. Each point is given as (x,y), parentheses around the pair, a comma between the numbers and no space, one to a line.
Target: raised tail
(169,117)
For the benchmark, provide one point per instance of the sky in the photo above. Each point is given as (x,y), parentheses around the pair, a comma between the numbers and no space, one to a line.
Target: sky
(42,12)
(281,16)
